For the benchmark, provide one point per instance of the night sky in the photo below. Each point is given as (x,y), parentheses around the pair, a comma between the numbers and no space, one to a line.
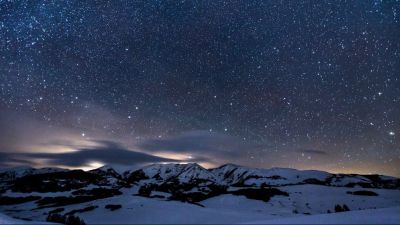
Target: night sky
(301,84)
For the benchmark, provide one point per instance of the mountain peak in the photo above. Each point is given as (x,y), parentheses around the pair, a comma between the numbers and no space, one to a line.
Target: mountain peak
(230,165)
(184,172)
(192,165)
(105,168)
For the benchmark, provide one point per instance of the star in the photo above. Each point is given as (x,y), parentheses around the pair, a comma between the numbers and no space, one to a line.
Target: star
(162,71)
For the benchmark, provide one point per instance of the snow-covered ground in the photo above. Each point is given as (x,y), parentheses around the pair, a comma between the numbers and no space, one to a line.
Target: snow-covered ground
(369,216)
(303,199)
(316,199)
(8,220)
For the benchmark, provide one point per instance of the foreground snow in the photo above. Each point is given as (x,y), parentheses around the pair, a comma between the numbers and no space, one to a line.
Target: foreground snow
(228,209)
(8,220)
(184,213)
(369,216)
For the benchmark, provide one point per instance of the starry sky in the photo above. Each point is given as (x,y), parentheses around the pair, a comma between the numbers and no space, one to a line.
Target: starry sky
(300,84)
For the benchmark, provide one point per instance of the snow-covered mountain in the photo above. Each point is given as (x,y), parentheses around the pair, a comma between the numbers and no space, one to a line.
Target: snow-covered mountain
(182,173)
(232,174)
(106,171)
(194,174)
(162,190)
(235,175)
(111,177)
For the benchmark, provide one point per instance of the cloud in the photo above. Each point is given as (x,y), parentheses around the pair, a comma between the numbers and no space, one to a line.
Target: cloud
(7,159)
(20,132)
(312,151)
(202,142)
(107,152)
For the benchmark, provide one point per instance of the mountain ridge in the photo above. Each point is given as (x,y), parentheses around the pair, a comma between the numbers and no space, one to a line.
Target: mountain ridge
(105,167)
(226,175)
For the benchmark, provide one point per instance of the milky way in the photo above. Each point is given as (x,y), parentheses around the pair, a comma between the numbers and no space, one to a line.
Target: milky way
(309,85)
